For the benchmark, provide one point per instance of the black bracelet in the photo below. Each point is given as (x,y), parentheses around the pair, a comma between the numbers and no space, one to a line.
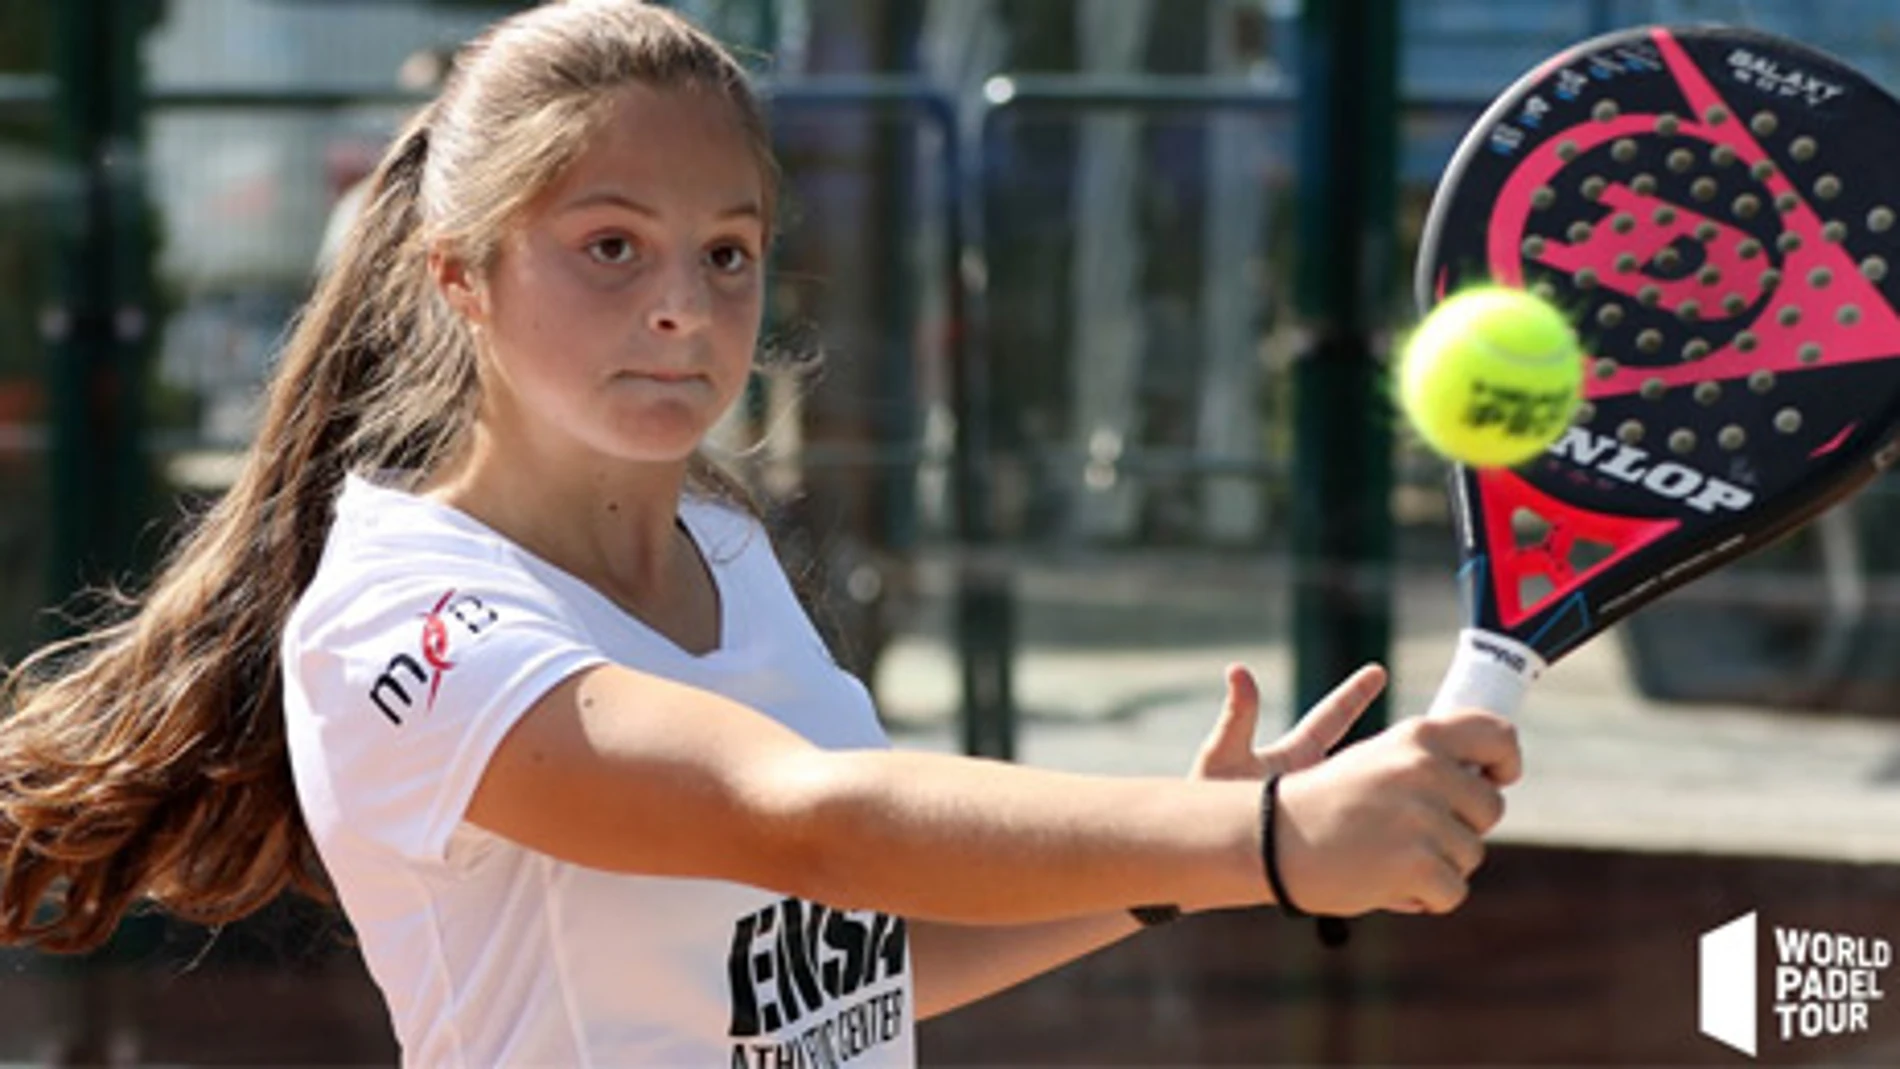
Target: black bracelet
(1153,916)
(1269,855)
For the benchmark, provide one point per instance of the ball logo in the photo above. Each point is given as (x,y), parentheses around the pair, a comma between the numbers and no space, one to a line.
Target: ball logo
(1519,412)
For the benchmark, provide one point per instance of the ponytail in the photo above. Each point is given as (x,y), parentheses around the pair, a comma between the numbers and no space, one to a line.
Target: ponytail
(146,758)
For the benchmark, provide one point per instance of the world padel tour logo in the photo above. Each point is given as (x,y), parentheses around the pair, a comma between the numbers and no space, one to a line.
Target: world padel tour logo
(1824,983)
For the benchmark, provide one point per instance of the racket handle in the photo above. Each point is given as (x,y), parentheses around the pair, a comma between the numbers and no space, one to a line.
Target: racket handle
(1489,671)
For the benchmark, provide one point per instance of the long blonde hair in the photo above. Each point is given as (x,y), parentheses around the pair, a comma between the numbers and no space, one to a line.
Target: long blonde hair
(146,758)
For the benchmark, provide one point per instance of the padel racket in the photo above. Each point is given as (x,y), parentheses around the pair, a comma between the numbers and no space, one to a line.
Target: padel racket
(1714,207)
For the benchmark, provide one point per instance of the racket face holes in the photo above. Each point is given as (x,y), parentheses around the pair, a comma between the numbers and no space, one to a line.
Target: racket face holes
(1820,277)
(1847,315)
(1585,554)
(1629,432)
(1708,392)
(1873,269)
(1880,220)
(1788,420)
(1761,380)
(1528,529)
(1764,123)
(1585,413)
(1533,589)
(1653,389)
(1682,442)
(1810,353)
(1731,438)
(1716,115)
(1659,276)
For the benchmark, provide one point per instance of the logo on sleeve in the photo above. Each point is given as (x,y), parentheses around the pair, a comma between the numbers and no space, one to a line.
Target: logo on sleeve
(452,614)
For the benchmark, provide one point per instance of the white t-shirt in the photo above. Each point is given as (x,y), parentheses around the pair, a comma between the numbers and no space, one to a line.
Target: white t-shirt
(422,638)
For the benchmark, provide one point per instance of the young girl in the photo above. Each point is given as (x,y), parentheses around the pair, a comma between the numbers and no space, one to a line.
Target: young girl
(479,643)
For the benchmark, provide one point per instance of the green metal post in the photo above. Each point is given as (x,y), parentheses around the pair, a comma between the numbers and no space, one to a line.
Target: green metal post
(1342,525)
(97,331)
(99,327)
(1342,528)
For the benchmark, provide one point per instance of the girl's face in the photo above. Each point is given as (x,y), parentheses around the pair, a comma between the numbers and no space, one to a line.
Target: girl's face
(619,318)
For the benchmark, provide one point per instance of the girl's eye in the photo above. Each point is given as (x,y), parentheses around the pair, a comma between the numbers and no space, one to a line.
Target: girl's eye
(728,259)
(611,251)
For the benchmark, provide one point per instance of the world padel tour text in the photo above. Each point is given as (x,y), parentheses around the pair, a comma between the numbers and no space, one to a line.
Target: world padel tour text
(1825,982)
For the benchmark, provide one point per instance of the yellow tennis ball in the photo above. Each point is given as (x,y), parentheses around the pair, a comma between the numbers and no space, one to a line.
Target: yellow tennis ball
(1491,377)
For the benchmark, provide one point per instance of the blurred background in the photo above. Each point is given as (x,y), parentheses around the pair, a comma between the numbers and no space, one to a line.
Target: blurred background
(1082,307)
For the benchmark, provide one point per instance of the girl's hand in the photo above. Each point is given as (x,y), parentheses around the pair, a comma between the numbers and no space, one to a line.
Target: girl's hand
(1229,752)
(1396,822)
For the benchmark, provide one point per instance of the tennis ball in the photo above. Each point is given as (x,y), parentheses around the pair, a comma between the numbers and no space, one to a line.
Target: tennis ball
(1491,377)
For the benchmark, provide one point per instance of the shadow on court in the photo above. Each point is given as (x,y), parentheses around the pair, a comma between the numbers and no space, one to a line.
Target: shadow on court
(1562,957)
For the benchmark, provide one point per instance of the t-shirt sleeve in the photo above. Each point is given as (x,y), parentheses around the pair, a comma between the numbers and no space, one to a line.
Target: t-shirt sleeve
(399,693)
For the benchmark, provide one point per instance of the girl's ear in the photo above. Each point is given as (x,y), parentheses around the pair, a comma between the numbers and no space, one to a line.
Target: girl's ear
(461,287)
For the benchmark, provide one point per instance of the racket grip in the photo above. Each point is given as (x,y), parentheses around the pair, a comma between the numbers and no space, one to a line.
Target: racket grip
(1489,671)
